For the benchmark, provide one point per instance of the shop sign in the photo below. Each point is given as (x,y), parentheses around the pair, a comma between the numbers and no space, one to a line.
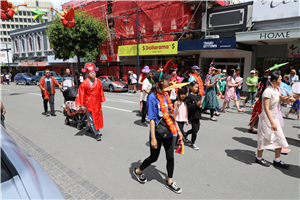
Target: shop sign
(228,43)
(33,64)
(293,50)
(275,9)
(275,35)
(159,48)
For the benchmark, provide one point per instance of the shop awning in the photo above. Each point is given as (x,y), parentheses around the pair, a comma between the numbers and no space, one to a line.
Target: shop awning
(269,37)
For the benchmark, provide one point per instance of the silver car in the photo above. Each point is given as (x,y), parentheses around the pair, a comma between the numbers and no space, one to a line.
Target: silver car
(22,177)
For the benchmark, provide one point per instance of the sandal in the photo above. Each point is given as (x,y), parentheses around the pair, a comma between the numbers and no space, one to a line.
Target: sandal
(241,111)
(224,111)
(217,114)
(213,119)
(252,131)
(205,112)
(286,115)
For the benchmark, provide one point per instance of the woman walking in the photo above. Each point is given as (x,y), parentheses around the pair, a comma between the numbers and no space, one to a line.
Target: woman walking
(222,82)
(230,92)
(159,106)
(270,134)
(181,111)
(194,105)
(210,100)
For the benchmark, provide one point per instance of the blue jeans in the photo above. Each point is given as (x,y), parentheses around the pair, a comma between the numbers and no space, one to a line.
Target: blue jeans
(237,91)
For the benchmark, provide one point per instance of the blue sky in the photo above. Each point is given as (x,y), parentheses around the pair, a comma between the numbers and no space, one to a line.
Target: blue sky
(56,3)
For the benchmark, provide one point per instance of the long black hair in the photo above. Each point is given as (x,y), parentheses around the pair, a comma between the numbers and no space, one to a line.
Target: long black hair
(274,75)
(231,72)
(157,87)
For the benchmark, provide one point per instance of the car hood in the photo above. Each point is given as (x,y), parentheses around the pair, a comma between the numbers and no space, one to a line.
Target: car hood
(35,180)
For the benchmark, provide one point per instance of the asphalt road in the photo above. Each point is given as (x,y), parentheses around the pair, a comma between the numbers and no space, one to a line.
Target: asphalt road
(223,168)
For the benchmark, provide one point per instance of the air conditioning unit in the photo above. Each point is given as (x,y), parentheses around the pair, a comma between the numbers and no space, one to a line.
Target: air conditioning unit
(212,37)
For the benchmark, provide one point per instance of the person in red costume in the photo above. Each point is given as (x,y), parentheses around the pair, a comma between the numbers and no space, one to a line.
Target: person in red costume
(195,77)
(66,17)
(8,9)
(89,97)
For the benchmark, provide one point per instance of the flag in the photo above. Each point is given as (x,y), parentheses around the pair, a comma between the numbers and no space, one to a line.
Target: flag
(180,148)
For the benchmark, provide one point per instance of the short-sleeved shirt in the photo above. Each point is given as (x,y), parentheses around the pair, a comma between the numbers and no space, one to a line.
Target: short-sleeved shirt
(133,79)
(294,78)
(67,80)
(154,109)
(146,86)
(252,80)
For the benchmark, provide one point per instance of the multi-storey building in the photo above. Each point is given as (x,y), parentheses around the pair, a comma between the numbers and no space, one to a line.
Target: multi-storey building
(24,18)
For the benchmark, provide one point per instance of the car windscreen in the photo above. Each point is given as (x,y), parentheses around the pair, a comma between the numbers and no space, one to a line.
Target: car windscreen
(113,78)
(54,74)
(27,75)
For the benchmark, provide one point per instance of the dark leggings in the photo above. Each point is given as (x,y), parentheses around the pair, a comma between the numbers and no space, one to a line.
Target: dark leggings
(154,153)
(180,125)
(211,111)
(144,111)
(195,128)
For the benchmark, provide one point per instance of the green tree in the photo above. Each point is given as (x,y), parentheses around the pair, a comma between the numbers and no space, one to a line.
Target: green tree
(84,40)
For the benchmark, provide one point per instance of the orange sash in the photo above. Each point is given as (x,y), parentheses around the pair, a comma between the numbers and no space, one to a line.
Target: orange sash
(200,83)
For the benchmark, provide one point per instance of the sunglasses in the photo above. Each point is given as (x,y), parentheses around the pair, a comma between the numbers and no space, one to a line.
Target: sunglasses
(47,72)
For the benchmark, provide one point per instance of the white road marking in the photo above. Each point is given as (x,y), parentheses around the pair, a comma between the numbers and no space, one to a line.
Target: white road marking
(5,89)
(102,106)
(34,94)
(121,100)
(117,109)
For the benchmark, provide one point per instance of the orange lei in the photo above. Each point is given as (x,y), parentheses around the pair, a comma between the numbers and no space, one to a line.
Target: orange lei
(200,83)
(163,108)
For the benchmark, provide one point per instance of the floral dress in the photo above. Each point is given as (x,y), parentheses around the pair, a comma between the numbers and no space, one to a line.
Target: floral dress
(267,138)
(210,100)
(230,91)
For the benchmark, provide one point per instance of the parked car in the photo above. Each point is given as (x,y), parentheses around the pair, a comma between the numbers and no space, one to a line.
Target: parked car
(40,74)
(24,78)
(112,83)
(22,177)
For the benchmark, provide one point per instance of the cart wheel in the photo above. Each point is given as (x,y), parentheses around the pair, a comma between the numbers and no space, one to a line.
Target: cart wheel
(79,126)
(67,121)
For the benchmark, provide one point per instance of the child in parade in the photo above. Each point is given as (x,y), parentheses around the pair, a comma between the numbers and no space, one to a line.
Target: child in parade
(230,92)
(194,105)
(181,111)
(160,106)
(270,134)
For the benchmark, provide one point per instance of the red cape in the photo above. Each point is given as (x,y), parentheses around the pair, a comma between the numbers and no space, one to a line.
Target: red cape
(92,97)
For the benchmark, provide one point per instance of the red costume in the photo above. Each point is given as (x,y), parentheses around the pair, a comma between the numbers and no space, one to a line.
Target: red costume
(91,96)
(69,21)
(7,12)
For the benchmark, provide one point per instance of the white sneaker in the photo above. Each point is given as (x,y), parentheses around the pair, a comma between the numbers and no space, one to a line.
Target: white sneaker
(195,147)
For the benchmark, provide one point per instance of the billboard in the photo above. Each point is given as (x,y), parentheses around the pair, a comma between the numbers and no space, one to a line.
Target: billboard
(275,9)
(159,48)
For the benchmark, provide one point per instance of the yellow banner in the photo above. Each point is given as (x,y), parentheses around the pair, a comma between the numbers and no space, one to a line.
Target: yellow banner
(159,48)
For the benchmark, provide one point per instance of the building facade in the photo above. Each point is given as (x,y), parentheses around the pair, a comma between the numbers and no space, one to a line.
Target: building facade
(24,18)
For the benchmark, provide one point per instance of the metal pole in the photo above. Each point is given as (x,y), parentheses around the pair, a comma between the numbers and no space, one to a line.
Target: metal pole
(137,48)
(7,59)
(205,19)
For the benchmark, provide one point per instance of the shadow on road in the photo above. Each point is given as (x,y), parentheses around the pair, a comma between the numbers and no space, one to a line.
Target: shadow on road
(296,127)
(150,172)
(244,156)
(247,141)
(242,129)
(137,113)
(138,123)
(293,142)
(293,171)
(83,133)
(16,94)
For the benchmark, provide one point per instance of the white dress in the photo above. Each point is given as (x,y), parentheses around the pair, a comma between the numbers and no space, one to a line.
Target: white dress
(268,139)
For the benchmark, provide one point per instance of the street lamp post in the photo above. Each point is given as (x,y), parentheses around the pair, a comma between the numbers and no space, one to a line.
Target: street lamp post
(137,44)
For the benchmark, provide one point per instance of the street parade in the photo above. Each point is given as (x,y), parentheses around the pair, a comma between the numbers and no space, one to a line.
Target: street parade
(96,89)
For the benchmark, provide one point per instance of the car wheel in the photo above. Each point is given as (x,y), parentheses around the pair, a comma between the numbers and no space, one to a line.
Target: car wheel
(16,82)
(37,83)
(24,82)
(67,121)
(111,88)
(79,126)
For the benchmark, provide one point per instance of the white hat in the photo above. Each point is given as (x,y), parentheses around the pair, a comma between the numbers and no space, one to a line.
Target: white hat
(252,72)
(224,71)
